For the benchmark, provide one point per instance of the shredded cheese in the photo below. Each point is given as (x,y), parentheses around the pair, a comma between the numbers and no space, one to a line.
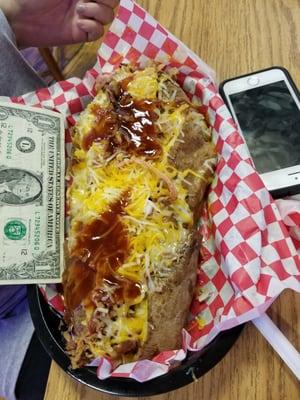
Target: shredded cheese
(157,216)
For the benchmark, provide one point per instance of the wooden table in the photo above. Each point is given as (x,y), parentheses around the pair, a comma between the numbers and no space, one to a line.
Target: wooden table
(234,37)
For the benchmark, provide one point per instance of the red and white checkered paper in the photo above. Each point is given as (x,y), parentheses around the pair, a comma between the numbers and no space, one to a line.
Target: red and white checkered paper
(289,209)
(248,254)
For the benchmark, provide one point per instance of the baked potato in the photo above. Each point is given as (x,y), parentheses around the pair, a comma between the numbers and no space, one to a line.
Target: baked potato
(142,161)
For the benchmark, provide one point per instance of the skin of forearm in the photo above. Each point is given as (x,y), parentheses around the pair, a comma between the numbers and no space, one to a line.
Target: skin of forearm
(10,8)
(43,23)
(19,15)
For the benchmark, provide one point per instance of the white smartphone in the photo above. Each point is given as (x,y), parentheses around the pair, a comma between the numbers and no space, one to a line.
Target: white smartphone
(266,107)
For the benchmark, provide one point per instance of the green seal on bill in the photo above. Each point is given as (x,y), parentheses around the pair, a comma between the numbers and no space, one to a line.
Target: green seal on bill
(15,230)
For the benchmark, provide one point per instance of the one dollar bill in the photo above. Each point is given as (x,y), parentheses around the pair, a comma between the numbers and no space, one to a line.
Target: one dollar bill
(31,195)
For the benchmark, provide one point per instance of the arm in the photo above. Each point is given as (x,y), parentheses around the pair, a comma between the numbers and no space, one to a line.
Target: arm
(57,22)
(43,23)
(16,76)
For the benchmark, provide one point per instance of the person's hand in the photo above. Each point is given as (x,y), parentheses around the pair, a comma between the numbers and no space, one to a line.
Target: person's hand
(44,23)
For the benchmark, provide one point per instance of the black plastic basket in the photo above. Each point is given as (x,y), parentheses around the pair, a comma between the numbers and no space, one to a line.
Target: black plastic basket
(46,323)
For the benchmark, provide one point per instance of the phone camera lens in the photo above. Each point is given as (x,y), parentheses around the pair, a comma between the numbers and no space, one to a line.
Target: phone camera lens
(253,81)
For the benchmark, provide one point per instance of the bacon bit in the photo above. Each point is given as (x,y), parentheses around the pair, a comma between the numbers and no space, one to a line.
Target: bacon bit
(101,81)
(126,347)
(71,345)
(166,179)
(92,327)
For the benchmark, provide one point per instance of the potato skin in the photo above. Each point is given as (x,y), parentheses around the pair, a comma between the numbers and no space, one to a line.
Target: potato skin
(169,307)
(170,292)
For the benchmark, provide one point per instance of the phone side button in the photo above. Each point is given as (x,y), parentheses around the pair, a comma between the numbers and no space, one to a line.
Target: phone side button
(294,173)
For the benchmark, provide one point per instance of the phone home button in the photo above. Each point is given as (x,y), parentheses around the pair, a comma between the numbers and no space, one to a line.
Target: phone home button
(253,81)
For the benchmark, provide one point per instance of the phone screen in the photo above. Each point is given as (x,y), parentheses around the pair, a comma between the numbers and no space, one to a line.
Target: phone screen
(270,121)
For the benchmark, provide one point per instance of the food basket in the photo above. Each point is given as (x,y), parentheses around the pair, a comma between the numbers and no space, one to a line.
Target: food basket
(248,256)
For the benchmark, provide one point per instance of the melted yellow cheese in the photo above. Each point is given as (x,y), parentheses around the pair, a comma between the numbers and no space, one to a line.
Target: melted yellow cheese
(157,226)
(144,84)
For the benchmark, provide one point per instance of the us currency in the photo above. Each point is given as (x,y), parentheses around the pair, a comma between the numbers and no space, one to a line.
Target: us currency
(31,195)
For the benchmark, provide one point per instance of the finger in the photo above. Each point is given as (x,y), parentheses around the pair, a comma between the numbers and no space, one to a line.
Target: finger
(92,28)
(99,12)
(109,3)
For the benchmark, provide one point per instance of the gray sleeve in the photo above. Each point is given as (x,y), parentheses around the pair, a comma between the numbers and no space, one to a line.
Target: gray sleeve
(15,334)
(16,75)
(16,78)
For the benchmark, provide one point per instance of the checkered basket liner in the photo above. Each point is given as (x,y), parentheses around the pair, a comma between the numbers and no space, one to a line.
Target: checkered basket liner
(248,256)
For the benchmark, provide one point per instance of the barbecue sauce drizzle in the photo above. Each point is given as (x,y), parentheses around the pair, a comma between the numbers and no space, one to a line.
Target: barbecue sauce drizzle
(127,125)
(102,245)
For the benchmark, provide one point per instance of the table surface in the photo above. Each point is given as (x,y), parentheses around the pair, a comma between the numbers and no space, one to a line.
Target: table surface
(233,37)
